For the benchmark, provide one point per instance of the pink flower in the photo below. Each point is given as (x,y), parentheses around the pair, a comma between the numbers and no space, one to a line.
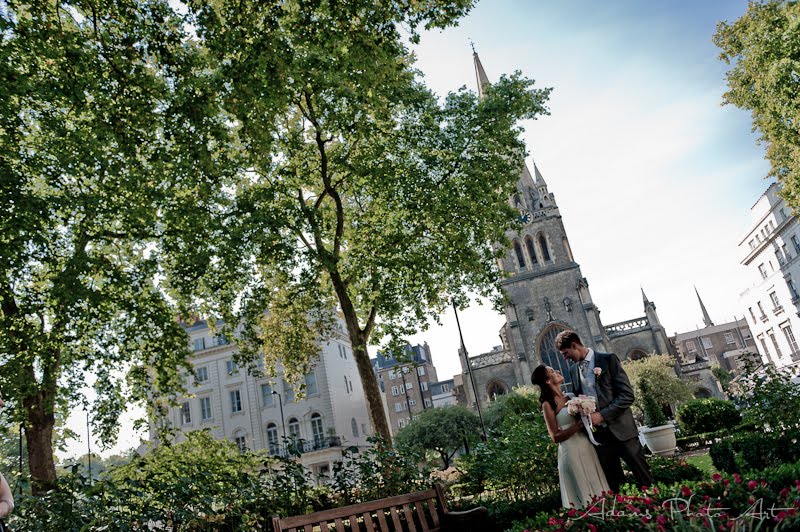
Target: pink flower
(784,493)
(726,482)
(686,491)
(661,519)
(591,527)
(597,372)
(752,485)
(716,477)
(737,478)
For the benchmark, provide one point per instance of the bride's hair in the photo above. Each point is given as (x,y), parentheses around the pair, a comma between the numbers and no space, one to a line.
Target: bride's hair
(539,378)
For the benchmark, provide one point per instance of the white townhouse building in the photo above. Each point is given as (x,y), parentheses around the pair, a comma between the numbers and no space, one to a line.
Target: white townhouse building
(255,412)
(771,252)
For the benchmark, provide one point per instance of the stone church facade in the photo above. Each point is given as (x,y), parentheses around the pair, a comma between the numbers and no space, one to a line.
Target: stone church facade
(547,294)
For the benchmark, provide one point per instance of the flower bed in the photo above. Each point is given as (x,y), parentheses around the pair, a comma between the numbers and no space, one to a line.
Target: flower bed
(768,501)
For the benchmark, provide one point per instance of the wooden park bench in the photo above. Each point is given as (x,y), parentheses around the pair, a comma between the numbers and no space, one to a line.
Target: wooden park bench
(423,511)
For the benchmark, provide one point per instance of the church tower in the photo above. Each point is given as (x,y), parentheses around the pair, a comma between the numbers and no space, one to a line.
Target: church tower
(547,291)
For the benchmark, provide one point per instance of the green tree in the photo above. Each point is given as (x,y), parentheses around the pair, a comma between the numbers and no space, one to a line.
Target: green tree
(522,400)
(763,47)
(105,133)
(358,187)
(663,385)
(767,397)
(723,376)
(442,430)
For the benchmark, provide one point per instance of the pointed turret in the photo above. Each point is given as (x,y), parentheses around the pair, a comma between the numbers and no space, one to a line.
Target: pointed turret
(480,73)
(644,298)
(706,318)
(539,179)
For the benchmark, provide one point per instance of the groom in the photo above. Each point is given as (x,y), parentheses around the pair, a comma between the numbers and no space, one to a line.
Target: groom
(601,376)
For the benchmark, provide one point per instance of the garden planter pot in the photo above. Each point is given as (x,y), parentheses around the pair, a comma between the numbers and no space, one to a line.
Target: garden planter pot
(660,440)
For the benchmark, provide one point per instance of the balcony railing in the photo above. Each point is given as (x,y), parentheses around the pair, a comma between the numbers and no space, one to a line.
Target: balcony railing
(303,446)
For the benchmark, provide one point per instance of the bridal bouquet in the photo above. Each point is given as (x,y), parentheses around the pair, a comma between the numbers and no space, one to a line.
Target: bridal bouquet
(584,406)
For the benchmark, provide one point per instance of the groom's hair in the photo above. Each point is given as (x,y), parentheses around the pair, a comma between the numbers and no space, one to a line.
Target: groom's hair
(566,338)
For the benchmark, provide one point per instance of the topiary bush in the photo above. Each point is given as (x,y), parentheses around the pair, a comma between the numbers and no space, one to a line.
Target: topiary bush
(697,416)
(755,451)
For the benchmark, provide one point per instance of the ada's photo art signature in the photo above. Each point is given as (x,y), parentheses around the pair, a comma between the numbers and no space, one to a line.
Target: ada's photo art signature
(680,506)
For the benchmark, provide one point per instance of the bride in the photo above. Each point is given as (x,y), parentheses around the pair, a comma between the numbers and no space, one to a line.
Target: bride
(579,471)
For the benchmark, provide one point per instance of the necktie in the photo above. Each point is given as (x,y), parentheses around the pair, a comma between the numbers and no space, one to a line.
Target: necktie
(587,377)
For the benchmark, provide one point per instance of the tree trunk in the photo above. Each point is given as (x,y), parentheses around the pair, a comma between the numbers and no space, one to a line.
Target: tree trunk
(39,437)
(372,392)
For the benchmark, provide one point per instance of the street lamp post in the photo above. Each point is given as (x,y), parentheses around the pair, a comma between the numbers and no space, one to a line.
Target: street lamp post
(469,370)
(283,423)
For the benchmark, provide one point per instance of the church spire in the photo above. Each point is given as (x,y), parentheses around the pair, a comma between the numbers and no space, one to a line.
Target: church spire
(540,182)
(480,73)
(706,318)
(644,298)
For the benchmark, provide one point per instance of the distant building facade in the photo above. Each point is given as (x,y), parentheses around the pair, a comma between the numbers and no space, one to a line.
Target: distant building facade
(405,386)
(771,253)
(237,405)
(548,294)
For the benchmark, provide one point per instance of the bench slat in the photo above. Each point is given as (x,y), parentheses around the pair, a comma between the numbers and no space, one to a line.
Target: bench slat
(309,528)
(339,524)
(368,521)
(421,516)
(434,513)
(353,523)
(409,518)
(395,518)
(382,520)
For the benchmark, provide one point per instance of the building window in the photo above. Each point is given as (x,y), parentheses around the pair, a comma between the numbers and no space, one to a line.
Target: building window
(531,250)
(790,339)
(792,288)
(311,384)
(774,298)
(236,401)
(294,429)
(412,402)
(354,427)
(774,341)
(205,408)
(222,339)
(421,371)
(342,351)
(796,244)
(402,423)
(423,386)
(398,407)
(316,430)
(199,344)
(428,403)
(752,314)
(202,374)
(186,413)
(545,249)
(690,347)
(762,270)
(761,309)
(231,366)
(395,390)
(241,442)
(752,243)
(267,399)
(445,388)
(729,338)
(409,385)
(288,392)
(779,257)
(347,385)
(520,256)
(392,375)
(706,342)
(272,438)
(786,252)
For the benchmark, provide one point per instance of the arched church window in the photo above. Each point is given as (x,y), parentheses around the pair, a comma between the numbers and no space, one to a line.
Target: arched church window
(636,354)
(495,389)
(552,357)
(520,256)
(545,250)
(531,249)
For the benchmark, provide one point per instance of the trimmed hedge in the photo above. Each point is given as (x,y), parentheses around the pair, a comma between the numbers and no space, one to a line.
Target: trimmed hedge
(699,416)
(755,451)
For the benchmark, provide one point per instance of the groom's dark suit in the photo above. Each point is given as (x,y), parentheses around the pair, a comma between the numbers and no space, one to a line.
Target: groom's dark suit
(619,438)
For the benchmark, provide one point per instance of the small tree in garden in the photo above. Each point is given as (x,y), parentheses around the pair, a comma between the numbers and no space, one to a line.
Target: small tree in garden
(707,415)
(651,409)
(442,430)
(665,387)
(522,400)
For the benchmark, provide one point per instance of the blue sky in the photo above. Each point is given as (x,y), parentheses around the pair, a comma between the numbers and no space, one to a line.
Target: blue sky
(653,176)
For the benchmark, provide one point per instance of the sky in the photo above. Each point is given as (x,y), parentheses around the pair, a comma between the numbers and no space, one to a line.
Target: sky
(654,178)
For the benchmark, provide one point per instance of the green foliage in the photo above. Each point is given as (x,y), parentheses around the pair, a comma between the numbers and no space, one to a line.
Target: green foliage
(756,450)
(441,430)
(723,456)
(521,462)
(665,387)
(723,376)
(767,398)
(652,410)
(763,49)
(503,514)
(668,470)
(707,415)
(374,473)
(522,400)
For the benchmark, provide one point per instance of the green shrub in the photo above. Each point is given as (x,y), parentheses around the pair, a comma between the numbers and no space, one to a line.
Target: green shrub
(723,456)
(503,513)
(756,451)
(707,415)
(668,470)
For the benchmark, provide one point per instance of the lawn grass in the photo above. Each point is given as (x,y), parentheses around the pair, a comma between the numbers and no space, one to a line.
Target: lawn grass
(703,462)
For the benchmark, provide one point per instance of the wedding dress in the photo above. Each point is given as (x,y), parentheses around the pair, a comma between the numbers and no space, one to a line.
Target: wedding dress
(579,471)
